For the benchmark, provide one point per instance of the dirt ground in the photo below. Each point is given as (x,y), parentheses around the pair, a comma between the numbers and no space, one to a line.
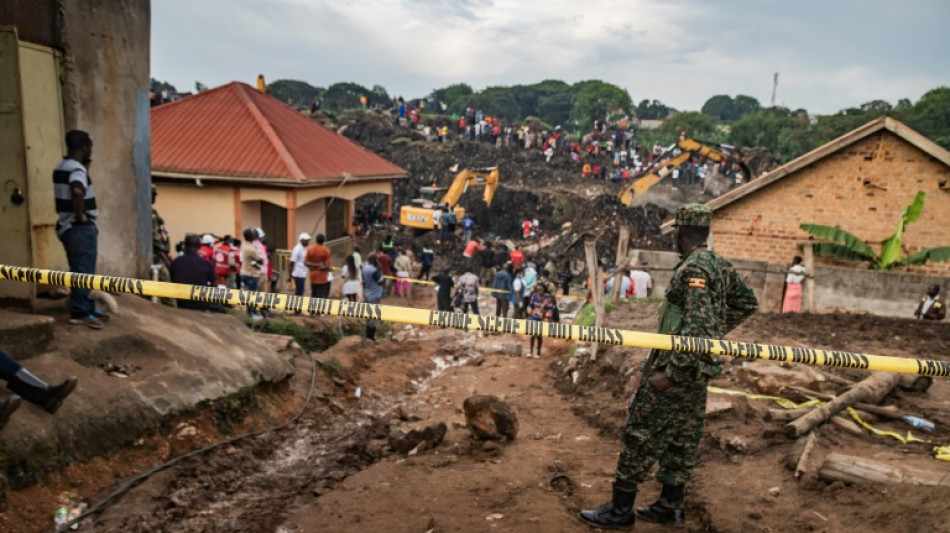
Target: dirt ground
(333,470)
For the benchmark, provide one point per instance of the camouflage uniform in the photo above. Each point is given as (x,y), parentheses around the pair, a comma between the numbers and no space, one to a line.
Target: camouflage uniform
(706,298)
(160,251)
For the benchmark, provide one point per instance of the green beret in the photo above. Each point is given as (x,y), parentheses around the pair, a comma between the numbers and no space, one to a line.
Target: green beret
(693,215)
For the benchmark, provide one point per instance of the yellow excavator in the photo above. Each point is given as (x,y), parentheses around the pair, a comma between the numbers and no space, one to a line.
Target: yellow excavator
(425,213)
(687,148)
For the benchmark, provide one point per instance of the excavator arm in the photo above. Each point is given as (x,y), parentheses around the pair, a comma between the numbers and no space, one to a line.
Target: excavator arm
(482,177)
(424,215)
(653,174)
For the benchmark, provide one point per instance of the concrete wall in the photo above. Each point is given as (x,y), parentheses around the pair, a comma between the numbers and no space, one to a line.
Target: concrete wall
(105,89)
(190,209)
(836,289)
(764,225)
(311,218)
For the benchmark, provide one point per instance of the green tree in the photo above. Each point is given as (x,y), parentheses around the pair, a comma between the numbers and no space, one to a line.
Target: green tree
(745,104)
(764,127)
(592,99)
(159,86)
(844,246)
(455,96)
(722,107)
(340,96)
(696,125)
(379,95)
(294,91)
(931,116)
(647,110)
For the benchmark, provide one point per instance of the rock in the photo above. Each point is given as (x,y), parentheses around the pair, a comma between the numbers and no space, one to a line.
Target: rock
(417,439)
(338,382)
(775,491)
(489,418)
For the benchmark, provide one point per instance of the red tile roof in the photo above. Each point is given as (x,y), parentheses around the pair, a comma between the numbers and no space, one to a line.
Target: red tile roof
(234,131)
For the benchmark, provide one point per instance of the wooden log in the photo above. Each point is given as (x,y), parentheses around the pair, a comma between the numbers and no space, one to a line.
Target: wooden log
(596,289)
(621,260)
(914,383)
(802,465)
(837,379)
(889,412)
(786,415)
(873,389)
(810,278)
(848,425)
(851,469)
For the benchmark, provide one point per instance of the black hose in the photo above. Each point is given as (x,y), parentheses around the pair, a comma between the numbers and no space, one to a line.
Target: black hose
(108,500)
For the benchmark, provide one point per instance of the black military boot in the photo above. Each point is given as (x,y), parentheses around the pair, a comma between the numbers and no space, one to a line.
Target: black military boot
(618,513)
(668,510)
(7,408)
(37,391)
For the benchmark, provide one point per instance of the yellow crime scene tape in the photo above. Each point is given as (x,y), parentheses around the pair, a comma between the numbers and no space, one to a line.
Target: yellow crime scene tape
(464,321)
(789,404)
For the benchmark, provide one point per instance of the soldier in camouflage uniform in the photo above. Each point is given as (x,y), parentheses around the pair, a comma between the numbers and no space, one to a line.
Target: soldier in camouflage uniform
(160,248)
(706,298)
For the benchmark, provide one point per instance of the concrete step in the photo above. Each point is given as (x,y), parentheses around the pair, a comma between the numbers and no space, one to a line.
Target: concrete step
(23,335)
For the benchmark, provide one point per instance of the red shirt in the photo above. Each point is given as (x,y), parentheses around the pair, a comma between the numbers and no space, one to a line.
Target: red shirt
(517,257)
(526,228)
(471,248)
(221,253)
(318,253)
(206,252)
(385,264)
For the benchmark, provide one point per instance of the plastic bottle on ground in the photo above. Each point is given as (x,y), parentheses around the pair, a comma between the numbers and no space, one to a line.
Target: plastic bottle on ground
(925,425)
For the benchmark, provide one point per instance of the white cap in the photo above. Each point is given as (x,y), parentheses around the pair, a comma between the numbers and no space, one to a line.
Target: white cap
(260,233)
(304,237)
(207,239)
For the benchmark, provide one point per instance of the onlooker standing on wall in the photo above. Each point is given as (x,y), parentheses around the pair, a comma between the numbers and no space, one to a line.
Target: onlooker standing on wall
(298,269)
(792,303)
(930,307)
(318,260)
(251,263)
(76,223)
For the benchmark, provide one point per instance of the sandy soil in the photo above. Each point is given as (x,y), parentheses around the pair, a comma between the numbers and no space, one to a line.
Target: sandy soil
(332,471)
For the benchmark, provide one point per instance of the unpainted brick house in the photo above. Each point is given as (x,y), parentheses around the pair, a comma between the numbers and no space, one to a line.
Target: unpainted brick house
(859,182)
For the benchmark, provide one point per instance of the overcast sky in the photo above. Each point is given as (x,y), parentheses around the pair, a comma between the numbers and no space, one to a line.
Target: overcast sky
(830,54)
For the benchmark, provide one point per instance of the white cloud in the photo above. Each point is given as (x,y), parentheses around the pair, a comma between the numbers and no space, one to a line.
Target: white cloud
(681,52)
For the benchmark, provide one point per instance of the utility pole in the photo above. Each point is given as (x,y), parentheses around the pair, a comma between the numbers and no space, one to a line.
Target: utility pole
(774,87)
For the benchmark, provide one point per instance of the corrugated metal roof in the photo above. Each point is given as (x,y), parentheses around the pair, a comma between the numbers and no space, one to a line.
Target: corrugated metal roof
(235,131)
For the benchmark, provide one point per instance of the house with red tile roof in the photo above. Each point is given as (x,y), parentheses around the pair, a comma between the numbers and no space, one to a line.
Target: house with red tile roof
(232,158)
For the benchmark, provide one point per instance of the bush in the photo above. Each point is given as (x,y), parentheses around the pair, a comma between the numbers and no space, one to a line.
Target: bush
(587,315)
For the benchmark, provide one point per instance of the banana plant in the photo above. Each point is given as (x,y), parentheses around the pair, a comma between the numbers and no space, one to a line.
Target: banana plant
(844,246)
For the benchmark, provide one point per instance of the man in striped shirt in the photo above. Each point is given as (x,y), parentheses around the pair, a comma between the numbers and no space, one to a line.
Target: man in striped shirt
(76,223)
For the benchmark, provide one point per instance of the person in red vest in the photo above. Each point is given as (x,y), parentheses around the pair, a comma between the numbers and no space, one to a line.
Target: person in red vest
(526,229)
(223,258)
(207,247)
(517,257)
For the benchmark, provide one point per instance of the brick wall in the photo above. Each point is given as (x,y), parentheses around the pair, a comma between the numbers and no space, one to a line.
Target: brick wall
(845,189)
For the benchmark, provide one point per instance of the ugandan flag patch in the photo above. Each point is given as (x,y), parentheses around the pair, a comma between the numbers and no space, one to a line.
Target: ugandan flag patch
(697,283)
